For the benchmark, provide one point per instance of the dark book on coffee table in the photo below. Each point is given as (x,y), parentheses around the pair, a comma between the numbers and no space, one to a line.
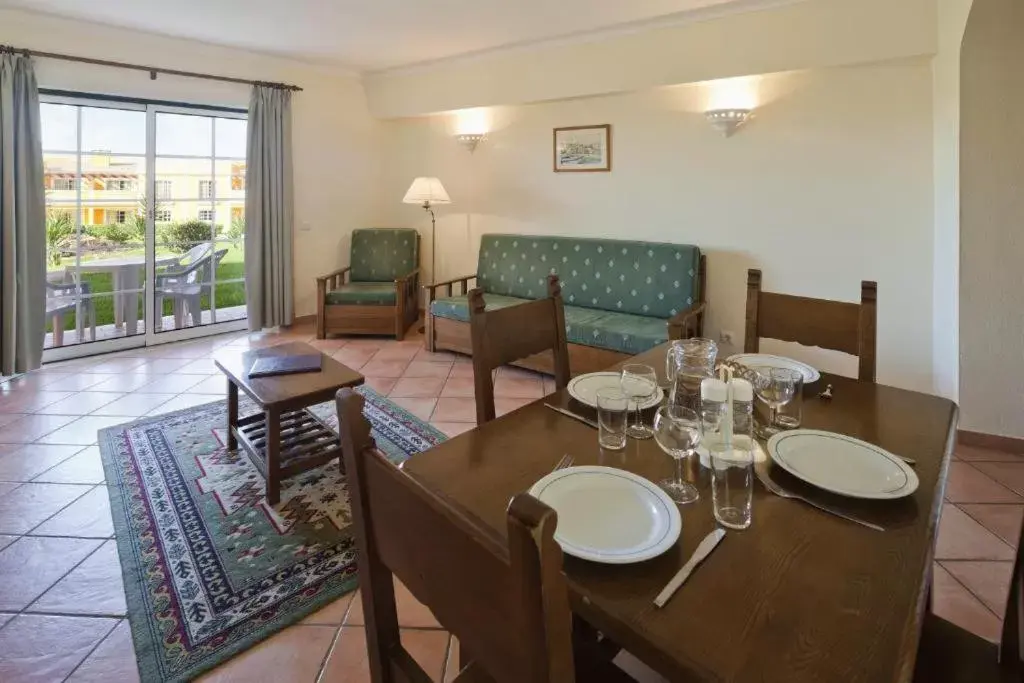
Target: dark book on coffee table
(269,366)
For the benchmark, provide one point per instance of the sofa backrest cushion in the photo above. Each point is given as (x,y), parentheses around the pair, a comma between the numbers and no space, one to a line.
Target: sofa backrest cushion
(383,254)
(644,278)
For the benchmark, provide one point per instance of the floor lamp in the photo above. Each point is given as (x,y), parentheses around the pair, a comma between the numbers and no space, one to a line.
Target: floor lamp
(426,192)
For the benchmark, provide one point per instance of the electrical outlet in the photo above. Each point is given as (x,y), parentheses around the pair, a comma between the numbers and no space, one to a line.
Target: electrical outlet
(725,337)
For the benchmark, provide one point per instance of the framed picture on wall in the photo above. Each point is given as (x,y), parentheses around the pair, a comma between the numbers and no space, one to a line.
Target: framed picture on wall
(581,149)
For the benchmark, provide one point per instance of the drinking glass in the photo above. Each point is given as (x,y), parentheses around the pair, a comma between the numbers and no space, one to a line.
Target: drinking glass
(775,386)
(678,431)
(732,481)
(612,414)
(640,383)
(790,414)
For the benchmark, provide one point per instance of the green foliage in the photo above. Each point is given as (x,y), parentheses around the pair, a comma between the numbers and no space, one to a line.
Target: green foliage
(60,233)
(119,233)
(237,229)
(183,236)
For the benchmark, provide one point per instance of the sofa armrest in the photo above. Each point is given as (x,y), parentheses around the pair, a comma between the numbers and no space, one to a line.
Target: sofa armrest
(332,280)
(408,281)
(687,323)
(448,285)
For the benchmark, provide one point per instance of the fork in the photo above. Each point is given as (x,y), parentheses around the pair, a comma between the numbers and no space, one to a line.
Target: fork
(566,461)
(783,493)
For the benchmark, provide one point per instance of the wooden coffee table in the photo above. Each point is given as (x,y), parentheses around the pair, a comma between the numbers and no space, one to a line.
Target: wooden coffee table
(285,438)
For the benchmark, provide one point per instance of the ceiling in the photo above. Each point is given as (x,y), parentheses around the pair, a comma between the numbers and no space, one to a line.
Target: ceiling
(372,35)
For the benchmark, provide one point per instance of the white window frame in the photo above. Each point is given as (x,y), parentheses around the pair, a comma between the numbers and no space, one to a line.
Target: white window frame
(162,216)
(209,213)
(206,189)
(163,189)
(120,216)
(70,185)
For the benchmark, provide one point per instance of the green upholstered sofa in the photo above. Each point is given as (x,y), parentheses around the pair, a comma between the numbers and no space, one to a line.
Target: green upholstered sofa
(621,297)
(377,292)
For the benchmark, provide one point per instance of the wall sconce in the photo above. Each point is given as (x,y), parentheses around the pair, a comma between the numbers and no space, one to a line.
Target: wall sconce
(726,121)
(470,140)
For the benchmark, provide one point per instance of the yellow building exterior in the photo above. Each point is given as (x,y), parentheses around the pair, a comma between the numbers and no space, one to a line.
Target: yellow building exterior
(113,188)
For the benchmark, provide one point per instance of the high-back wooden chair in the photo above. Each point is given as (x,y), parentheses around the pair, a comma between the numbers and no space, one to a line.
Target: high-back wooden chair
(949,654)
(505,335)
(836,325)
(506,603)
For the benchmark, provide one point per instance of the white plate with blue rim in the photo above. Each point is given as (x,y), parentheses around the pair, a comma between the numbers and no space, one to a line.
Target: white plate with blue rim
(842,464)
(756,361)
(584,389)
(608,515)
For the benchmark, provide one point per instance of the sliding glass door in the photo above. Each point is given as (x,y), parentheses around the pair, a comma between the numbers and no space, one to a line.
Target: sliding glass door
(145,223)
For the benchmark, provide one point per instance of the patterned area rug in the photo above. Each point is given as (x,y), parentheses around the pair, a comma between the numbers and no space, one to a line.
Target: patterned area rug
(209,568)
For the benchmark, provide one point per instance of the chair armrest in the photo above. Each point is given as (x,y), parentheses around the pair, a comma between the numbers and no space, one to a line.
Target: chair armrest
(448,284)
(687,323)
(332,279)
(411,275)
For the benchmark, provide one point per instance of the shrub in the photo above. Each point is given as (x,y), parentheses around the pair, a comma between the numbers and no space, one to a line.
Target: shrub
(237,229)
(183,236)
(60,232)
(118,233)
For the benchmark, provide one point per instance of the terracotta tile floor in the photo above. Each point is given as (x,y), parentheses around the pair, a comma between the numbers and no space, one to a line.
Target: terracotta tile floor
(62,609)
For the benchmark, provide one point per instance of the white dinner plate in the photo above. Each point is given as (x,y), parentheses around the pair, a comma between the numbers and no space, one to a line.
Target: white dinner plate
(584,389)
(766,360)
(842,464)
(608,515)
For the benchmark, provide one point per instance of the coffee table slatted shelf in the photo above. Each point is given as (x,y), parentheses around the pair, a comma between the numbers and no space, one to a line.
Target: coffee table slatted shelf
(306,442)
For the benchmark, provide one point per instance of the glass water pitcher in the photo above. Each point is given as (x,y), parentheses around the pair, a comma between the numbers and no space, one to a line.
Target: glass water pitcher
(688,363)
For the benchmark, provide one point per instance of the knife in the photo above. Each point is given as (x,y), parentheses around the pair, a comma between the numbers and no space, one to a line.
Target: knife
(709,543)
(569,413)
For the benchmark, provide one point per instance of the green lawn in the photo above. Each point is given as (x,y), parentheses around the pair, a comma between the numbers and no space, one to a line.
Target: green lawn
(228,294)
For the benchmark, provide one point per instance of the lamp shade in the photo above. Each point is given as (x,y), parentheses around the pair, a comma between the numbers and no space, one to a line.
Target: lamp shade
(426,190)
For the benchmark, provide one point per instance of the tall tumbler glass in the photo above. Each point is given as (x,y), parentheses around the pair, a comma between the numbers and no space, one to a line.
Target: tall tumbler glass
(612,413)
(732,482)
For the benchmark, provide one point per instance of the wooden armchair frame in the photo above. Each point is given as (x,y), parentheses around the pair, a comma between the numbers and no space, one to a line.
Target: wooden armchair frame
(383,319)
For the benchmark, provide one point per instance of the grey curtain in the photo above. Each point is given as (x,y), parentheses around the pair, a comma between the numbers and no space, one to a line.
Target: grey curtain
(22,219)
(268,209)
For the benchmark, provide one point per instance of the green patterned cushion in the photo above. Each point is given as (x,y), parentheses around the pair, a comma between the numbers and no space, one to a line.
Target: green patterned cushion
(363,294)
(457,307)
(630,334)
(644,278)
(623,332)
(382,254)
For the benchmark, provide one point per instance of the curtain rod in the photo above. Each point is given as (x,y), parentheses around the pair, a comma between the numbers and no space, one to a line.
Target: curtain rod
(153,70)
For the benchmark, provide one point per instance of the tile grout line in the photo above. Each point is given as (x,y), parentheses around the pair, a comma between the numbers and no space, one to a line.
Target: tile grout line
(982,524)
(24,610)
(968,589)
(96,647)
(988,476)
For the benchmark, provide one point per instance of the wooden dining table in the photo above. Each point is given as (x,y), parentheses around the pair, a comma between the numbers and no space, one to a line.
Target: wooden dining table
(800,596)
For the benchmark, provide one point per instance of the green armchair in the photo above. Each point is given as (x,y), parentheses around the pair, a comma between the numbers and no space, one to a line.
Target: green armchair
(377,292)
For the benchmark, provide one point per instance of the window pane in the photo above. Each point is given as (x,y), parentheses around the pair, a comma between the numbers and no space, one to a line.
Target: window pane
(231,138)
(113,130)
(60,127)
(181,178)
(182,134)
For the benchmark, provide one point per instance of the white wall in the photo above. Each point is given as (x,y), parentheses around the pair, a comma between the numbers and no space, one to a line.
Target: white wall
(830,184)
(952,20)
(782,35)
(335,140)
(992,215)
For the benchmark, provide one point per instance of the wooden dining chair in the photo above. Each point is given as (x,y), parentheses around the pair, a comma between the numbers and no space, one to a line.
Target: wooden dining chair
(505,335)
(836,325)
(506,602)
(949,654)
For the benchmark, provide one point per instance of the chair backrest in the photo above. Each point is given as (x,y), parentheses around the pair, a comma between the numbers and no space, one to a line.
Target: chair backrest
(199,271)
(507,603)
(509,334)
(652,279)
(197,252)
(836,325)
(1011,644)
(383,254)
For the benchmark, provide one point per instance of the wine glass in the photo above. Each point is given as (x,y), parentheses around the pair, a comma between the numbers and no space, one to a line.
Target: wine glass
(677,430)
(639,383)
(776,387)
